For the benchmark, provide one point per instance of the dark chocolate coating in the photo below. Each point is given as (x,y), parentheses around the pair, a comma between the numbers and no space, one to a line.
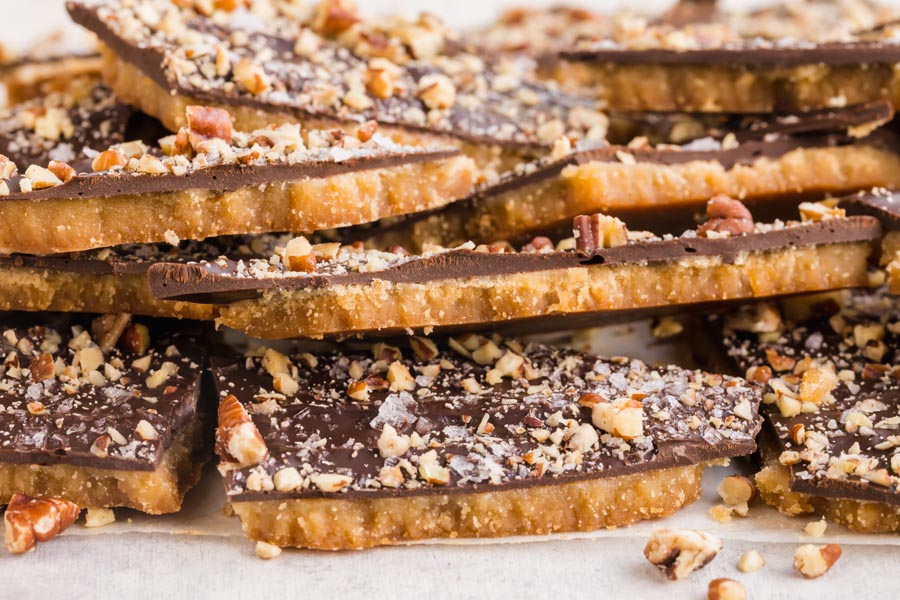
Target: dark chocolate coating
(750,53)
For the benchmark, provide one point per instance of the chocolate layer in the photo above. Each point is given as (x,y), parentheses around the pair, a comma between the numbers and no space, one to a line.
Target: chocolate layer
(487,440)
(227,280)
(855,426)
(55,412)
(882,204)
(752,53)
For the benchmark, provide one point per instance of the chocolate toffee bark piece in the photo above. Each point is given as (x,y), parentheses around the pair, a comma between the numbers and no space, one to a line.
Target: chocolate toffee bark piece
(604,273)
(48,65)
(478,438)
(715,68)
(110,279)
(829,369)
(325,66)
(100,414)
(106,280)
(209,180)
(885,206)
(771,162)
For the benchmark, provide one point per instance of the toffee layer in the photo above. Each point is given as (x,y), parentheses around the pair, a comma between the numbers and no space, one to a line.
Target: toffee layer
(717,68)
(75,223)
(729,88)
(535,302)
(774,485)
(885,206)
(338,524)
(215,280)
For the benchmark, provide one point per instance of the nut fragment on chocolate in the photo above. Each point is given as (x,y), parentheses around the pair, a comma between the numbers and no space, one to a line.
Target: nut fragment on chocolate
(370,291)
(490,432)
(726,216)
(88,426)
(831,407)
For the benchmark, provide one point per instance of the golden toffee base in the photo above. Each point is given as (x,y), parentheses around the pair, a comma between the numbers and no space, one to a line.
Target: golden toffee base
(336,524)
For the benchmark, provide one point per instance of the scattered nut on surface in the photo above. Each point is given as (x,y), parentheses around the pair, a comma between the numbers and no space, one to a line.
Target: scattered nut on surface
(679,552)
(816,528)
(267,551)
(726,589)
(751,561)
(98,517)
(814,561)
(736,490)
(720,513)
(30,520)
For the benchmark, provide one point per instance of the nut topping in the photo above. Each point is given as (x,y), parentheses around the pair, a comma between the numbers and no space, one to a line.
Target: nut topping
(237,437)
(30,520)
(108,159)
(298,255)
(63,171)
(595,232)
(250,76)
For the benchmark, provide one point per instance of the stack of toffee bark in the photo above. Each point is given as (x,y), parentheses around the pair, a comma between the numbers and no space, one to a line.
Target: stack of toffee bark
(443,191)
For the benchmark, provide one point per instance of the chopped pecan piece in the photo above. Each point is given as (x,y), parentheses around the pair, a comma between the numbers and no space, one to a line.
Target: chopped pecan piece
(206,123)
(728,216)
(595,232)
(30,520)
(237,438)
